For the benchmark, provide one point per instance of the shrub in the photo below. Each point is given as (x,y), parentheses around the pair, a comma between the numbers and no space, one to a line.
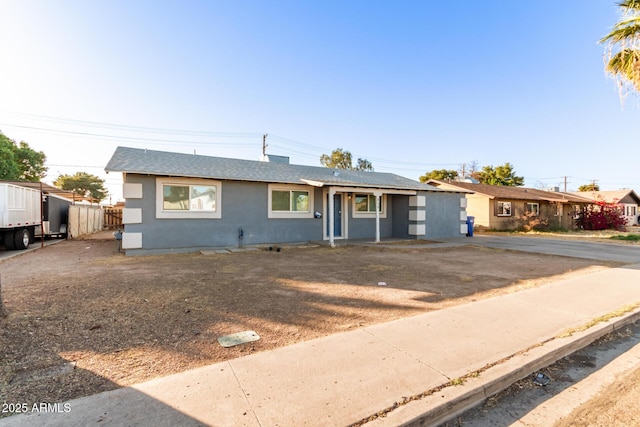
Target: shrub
(528,221)
(602,216)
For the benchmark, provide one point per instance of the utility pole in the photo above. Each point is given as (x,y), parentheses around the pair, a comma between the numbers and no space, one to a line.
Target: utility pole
(565,184)
(264,144)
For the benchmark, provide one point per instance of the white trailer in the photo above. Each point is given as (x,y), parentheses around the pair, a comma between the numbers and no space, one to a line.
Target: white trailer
(20,215)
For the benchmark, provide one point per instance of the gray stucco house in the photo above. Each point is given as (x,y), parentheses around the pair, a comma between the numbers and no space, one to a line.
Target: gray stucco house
(181,202)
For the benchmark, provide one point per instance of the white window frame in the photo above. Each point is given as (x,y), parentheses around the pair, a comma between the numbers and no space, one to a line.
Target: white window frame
(370,214)
(630,210)
(187,214)
(531,207)
(503,204)
(290,214)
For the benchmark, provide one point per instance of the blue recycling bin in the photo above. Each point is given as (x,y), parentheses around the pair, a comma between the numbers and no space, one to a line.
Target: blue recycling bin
(470,221)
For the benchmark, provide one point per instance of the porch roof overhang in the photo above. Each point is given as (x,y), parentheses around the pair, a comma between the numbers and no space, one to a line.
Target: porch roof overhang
(371,188)
(359,188)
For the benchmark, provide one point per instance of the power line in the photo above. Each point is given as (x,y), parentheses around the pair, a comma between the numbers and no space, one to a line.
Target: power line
(137,128)
(149,141)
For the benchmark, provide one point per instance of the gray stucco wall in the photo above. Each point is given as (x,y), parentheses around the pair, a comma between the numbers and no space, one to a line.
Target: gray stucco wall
(243,205)
(365,228)
(443,215)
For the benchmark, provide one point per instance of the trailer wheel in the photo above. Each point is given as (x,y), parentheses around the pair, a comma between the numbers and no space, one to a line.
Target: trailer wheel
(8,241)
(22,238)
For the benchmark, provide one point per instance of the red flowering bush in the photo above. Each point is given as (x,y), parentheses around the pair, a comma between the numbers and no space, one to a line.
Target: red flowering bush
(602,216)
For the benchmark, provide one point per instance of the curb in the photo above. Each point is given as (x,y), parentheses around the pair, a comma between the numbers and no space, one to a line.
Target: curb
(451,401)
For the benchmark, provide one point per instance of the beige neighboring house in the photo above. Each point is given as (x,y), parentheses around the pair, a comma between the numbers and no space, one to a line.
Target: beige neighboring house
(497,207)
(628,200)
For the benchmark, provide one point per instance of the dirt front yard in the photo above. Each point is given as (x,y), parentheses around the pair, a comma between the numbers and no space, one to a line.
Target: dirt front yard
(84,318)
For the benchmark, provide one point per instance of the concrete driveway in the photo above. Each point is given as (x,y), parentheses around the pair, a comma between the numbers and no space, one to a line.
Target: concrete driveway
(574,248)
(5,254)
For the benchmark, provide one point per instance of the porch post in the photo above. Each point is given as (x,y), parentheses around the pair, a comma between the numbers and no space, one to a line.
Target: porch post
(330,208)
(377,194)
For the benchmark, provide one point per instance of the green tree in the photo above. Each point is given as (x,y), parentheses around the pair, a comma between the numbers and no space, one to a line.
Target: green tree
(83,184)
(440,174)
(622,46)
(364,165)
(19,162)
(589,187)
(342,159)
(500,175)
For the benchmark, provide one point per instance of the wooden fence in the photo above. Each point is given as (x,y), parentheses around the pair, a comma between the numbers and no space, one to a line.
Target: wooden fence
(113,218)
(84,219)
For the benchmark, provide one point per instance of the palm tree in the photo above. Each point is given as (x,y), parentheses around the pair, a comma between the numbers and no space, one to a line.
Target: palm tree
(623,48)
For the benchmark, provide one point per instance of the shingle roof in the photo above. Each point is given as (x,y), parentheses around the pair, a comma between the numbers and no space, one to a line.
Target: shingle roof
(518,193)
(141,161)
(609,196)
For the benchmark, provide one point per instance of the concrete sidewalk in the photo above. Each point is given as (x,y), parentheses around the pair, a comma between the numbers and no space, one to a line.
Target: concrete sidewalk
(403,369)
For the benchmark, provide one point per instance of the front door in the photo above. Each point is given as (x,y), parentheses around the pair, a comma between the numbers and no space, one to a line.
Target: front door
(337,215)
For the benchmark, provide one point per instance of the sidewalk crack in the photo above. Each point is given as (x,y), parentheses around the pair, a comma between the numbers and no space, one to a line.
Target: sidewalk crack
(244,393)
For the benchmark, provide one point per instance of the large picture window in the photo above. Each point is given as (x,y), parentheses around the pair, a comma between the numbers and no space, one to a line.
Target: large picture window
(189,197)
(290,202)
(186,198)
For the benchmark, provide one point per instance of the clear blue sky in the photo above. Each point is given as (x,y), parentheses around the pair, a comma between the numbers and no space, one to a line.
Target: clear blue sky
(410,85)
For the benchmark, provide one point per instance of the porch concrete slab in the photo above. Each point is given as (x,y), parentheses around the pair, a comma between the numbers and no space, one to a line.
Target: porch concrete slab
(214,251)
(242,249)
(330,381)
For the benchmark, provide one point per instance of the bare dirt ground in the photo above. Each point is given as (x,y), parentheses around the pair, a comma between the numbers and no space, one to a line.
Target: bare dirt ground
(84,318)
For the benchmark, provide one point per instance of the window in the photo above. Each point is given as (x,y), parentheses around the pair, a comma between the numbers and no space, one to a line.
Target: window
(503,208)
(532,208)
(187,198)
(364,205)
(630,210)
(290,202)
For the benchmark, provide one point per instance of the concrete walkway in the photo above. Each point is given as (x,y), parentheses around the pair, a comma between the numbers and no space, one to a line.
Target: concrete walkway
(403,369)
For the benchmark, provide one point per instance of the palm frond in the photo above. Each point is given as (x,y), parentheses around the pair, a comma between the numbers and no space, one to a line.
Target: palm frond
(622,49)
(625,65)
(627,30)
(630,5)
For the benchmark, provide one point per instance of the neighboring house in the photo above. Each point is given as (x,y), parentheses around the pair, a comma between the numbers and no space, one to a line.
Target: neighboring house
(182,202)
(497,207)
(628,200)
